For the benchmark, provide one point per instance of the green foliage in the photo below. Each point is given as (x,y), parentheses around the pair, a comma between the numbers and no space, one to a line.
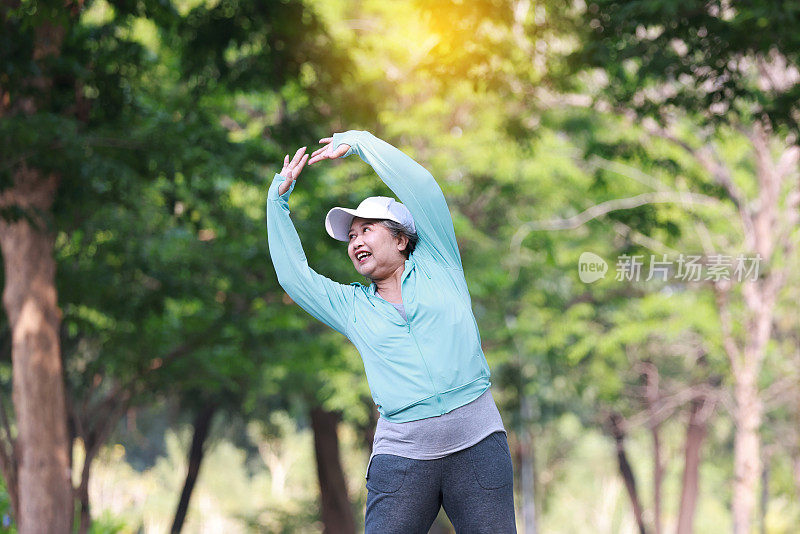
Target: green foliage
(707,53)
(163,123)
(7,523)
(163,271)
(166,121)
(108,524)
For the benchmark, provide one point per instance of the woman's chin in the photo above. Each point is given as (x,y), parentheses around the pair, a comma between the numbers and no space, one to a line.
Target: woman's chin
(363,270)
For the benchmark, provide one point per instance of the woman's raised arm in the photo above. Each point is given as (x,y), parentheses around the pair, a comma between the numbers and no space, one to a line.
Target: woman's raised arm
(328,301)
(411,182)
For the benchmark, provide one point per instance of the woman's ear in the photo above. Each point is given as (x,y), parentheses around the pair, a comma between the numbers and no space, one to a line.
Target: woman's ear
(402,242)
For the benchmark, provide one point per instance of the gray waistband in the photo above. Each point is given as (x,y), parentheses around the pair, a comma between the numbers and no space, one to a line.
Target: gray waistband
(436,437)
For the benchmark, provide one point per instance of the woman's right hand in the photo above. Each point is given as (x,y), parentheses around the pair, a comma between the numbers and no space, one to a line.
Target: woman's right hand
(291,169)
(326,152)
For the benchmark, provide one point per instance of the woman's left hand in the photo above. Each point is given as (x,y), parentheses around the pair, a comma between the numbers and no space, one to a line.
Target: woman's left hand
(291,169)
(326,152)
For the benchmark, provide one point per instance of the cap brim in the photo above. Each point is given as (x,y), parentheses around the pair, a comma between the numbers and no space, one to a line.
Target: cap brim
(338,221)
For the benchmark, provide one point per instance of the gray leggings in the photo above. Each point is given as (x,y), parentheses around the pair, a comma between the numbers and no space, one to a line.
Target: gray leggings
(475,486)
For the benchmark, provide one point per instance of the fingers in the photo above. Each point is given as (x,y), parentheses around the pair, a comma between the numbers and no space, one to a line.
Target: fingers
(320,150)
(289,171)
(292,164)
(340,151)
(316,158)
(297,156)
(319,155)
(301,159)
(299,168)
(326,153)
(285,165)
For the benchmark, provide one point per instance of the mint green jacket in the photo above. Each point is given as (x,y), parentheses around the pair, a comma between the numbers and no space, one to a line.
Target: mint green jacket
(425,366)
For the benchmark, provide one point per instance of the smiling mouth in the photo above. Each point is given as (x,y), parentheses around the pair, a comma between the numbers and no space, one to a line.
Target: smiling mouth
(362,256)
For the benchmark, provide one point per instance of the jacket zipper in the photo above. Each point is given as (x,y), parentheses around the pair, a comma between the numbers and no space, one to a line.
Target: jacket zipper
(430,376)
(419,350)
(416,343)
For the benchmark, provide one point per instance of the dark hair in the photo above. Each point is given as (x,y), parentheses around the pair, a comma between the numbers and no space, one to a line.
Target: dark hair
(397,230)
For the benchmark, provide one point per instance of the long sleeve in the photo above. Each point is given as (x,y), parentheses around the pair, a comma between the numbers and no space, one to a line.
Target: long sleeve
(328,301)
(415,187)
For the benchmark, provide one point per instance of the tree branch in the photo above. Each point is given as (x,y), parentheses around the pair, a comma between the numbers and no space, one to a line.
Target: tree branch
(706,158)
(715,167)
(628,171)
(598,210)
(668,404)
(643,240)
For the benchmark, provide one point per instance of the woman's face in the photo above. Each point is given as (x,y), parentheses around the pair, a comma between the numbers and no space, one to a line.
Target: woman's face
(374,251)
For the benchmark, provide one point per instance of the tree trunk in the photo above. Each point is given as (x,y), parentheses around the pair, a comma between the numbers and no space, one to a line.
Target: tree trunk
(527,468)
(94,427)
(202,424)
(768,232)
(337,515)
(760,299)
(652,396)
(768,223)
(625,470)
(278,468)
(30,301)
(42,450)
(82,492)
(747,451)
(762,520)
(695,434)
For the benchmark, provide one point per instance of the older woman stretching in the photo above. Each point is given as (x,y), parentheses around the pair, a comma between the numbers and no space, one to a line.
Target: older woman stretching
(439,440)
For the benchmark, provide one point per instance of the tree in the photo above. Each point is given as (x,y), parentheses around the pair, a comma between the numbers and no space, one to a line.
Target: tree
(40,455)
(707,65)
(98,99)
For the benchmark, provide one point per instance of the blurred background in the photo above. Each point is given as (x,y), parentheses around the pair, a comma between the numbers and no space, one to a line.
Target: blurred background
(623,180)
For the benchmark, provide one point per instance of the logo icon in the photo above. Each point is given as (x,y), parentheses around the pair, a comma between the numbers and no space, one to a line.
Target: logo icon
(591,267)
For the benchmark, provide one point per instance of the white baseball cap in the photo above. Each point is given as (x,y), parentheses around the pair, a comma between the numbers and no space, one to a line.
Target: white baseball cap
(338,220)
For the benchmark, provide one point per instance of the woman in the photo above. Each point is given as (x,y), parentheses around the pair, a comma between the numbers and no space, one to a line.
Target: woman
(439,440)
